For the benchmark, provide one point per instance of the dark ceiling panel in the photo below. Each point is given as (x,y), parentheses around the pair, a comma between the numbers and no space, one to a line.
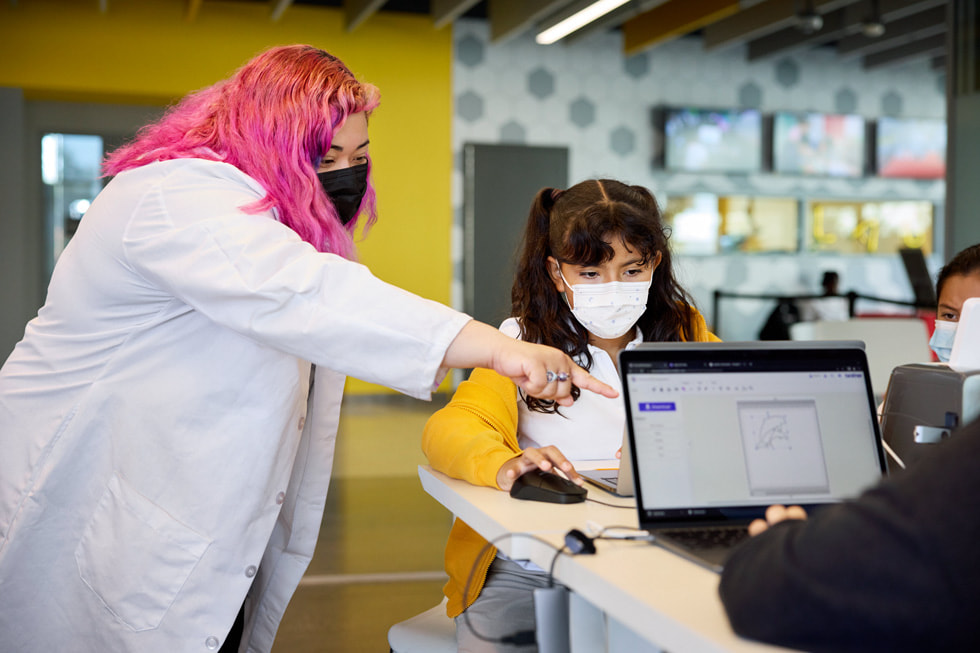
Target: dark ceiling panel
(917,26)
(926,48)
(764,28)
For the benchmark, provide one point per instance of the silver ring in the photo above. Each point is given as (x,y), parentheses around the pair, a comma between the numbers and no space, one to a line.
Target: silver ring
(551,376)
(562,376)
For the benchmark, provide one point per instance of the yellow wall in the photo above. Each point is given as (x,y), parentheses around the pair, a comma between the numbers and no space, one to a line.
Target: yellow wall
(145,52)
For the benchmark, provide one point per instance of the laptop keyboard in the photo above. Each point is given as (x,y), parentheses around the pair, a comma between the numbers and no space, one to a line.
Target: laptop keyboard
(708,538)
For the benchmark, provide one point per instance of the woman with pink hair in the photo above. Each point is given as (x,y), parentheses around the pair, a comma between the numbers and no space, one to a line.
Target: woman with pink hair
(166,445)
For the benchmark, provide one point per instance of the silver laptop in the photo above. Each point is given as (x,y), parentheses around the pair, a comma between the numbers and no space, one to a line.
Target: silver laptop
(618,481)
(720,431)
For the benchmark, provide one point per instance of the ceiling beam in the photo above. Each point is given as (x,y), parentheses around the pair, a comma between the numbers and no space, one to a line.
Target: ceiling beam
(444,12)
(916,26)
(895,9)
(277,8)
(670,20)
(847,23)
(358,11)
(192,9)
(508,18)
(761,19)
(926,48)
(785,40)
(611,21)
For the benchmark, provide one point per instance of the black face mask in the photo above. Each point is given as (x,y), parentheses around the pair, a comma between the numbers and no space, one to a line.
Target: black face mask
(345,188)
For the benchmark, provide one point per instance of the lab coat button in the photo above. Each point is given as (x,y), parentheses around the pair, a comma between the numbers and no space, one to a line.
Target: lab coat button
(250,571)
(301,423)
(211,643)
(280,498)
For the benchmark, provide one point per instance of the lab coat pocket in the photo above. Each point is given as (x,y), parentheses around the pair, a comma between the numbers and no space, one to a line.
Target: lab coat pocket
(135,556)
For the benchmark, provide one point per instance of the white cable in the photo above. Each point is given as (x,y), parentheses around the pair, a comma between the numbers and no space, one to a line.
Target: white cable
(894,455)
(594,530)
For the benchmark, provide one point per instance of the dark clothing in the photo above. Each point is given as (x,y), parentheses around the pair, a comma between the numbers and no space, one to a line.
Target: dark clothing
(783,316)
(896,570)
(234,639)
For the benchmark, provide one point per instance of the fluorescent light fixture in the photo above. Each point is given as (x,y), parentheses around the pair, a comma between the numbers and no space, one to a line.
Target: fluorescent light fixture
(577,20)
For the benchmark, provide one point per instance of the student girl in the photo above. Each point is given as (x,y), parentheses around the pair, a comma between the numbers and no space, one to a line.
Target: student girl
(958,281)
(594,278)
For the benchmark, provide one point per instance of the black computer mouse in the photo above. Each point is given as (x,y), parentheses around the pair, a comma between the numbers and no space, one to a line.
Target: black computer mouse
(538,485)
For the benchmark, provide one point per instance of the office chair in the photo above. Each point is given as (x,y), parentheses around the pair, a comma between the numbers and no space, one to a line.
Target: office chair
(429,632)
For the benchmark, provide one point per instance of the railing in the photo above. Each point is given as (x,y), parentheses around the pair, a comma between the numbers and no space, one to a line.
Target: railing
(852,298)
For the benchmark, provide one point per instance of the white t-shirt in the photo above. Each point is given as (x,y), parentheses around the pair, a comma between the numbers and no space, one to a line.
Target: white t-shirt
(830,308)
(592,428)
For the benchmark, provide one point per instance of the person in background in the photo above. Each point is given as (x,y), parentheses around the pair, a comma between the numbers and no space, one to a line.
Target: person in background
(830,306)
(893,570)
(957,281)
(594,277)
(166,446)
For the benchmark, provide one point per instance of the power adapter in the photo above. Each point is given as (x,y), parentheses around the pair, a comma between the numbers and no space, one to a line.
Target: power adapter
(578,542)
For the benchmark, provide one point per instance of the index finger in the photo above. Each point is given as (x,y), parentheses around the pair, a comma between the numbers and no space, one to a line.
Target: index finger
(586,381)
(558,460)
(757,526)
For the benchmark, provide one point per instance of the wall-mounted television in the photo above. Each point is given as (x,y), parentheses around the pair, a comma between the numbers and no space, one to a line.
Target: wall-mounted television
(910,147)
(818,144)
(712,140)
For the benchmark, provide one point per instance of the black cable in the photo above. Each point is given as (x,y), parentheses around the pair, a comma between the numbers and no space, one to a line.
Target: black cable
(551,567)
(520,637)
(529,636)
(611,505)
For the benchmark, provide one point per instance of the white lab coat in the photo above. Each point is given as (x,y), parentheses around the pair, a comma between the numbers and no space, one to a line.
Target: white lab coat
(156,460)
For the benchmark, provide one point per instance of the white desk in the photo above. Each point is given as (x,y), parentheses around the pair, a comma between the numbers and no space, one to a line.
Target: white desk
(664,599)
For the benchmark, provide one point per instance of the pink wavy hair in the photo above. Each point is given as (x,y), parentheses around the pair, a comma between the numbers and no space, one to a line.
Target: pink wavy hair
(274,120)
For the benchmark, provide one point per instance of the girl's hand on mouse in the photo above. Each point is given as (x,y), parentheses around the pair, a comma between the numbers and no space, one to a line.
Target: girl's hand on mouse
(547,459)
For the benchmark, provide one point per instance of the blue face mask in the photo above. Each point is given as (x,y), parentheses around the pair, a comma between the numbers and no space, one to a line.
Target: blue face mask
(942,338)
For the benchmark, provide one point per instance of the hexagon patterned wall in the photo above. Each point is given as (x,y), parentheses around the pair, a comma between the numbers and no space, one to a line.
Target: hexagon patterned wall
(587,96)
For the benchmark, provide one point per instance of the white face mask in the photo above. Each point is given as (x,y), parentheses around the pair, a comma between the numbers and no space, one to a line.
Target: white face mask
(942,339)
(608,310)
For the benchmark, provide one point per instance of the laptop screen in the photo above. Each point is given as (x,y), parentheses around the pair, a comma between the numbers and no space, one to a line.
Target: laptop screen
(720,431)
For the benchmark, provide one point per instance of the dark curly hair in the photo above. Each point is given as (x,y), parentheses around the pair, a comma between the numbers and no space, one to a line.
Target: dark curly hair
(965,263)
(571,226)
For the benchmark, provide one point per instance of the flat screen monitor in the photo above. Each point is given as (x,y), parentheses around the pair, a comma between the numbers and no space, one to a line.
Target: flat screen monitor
(911,148)
(830,145)
(713,140)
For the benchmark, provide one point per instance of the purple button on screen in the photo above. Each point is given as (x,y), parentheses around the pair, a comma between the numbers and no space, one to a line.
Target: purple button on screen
(655,406)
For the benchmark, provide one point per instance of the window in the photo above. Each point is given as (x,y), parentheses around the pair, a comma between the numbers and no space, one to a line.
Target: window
(859,227)
(71,177)
(704,223)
